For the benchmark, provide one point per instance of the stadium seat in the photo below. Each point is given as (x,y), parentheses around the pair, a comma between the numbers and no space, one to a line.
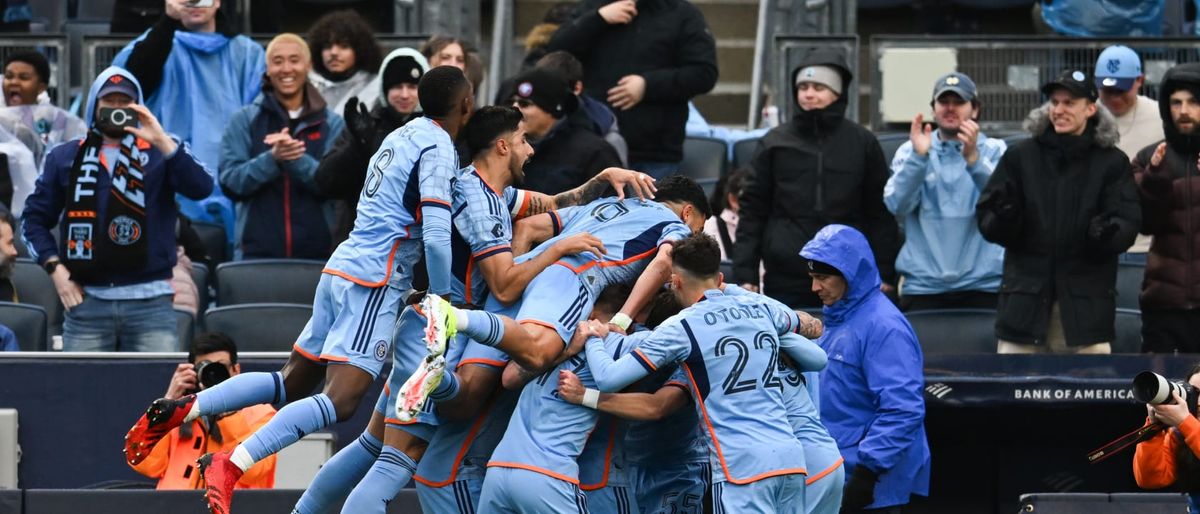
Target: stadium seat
(34,287)
(187,328)
(28,322)
(743,151)
(704,160)
(890,143)
(268,280)
(200,277)
(1129,284)
(955,330)
(1129,331)
(261,327)
(213,237)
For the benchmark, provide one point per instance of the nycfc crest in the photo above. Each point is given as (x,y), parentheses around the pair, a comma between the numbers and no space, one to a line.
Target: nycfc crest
(124,231)
(380,350)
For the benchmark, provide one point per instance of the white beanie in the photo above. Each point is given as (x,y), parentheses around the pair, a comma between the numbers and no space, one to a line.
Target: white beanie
(827,76)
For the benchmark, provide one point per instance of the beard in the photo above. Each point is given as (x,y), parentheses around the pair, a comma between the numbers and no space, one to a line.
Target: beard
(1189,130)
(6,266)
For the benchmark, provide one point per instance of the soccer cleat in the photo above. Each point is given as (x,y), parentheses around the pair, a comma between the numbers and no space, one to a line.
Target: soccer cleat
(440,323)
(417,388)
(221,475)
(160,418)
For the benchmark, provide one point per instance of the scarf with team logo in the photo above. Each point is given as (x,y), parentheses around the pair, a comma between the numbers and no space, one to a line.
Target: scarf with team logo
(116,241)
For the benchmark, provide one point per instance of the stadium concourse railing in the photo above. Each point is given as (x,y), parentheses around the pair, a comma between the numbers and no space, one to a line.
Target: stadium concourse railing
(1009,70)
(54,47)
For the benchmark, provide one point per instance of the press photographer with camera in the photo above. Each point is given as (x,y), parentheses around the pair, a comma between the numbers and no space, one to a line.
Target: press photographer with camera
(1172,456)
(112,196)
(211,360)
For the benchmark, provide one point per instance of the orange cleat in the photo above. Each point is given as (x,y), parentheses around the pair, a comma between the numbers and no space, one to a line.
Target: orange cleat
(221,475)
(160,418)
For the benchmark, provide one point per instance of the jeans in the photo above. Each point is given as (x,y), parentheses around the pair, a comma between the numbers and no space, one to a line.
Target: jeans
(121,325)
(658,170)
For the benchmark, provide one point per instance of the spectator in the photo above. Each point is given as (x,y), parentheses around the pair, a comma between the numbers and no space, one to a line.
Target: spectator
(343,170)
(595,113)
(1119,77)
(624,49)
(1172,456)
(724,201)
(18,168)
(112,195)
(26,78)
(1063,205)
(8,256)
(212,359)
(26,81)
(345,56)
(189,249)
(269,158)
(134,16)
(819,169)
(872,391)
(566,154)
(539,36)
(1165,173)
(443,50)
(936,179)
(192,53)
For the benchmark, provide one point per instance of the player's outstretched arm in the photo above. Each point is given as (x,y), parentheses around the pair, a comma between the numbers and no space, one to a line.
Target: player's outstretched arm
(507,280)
(804,353)
(531,231)
(621,180)
(657,273)
(631,406)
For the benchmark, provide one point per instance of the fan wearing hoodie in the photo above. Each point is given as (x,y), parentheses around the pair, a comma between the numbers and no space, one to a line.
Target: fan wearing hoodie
(269,158)
(112,195)
(819,169)
(1168,180)
(343,170)
(345,56)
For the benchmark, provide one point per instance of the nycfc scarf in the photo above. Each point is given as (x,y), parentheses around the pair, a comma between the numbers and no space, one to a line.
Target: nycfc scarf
(97,246)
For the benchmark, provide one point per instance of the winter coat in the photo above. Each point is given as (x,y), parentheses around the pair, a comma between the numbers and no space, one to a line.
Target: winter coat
(567,157)
(1058,189)
(1170,197)
(816,170)
(668,43)
(872,390)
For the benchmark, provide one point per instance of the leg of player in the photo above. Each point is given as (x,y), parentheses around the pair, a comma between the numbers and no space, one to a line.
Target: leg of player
(532,346)
(298,377)
(389,474)
(339,475)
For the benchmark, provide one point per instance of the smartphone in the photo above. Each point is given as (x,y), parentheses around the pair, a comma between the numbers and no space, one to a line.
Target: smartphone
(199,3)
(115,117)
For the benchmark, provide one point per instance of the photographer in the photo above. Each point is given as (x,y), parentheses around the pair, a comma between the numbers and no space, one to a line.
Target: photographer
(112,197)
(212,359)
(1172,456)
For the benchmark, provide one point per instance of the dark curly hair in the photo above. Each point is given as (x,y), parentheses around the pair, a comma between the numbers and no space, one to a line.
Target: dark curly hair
(347,28)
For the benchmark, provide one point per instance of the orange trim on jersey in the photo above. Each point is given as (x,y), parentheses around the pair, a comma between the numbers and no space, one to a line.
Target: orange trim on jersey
(612,441)
(717,444)
(524,210)
(539,323)
(535,469)
(462,452)
(678,384)
(435,201)
(334,358)
(296,348)
(645,359)
(467,293)
(605,264)
(395,421)
(387,275)
(486,250)
(811,480)
(499,192)
(485,362)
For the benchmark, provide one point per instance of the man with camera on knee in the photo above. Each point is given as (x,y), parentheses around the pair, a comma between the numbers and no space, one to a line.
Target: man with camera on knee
(211,360)
(1171,456)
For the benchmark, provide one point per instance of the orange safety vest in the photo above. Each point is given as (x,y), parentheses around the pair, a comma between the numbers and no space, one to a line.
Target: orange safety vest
(173,459)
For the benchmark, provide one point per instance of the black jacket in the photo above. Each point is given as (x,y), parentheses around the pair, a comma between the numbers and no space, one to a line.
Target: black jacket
(816,170)
(570,155)
(1063,207)
(669,45)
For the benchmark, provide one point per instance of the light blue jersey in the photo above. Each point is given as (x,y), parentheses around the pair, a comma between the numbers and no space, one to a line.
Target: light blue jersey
(602,461)
(730,349)
(413,168)
(676,438)
(482,228)
(821,454)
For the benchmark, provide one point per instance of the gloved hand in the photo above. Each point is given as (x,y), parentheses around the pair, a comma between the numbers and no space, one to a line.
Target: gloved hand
(359,122)
(1004,203)
(860,489)
(1102,228)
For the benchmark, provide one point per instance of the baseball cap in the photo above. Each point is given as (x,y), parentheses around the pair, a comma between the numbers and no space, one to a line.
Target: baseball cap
(118,83)
(546,90)
(1075,82)
(957,83)
(1118,67)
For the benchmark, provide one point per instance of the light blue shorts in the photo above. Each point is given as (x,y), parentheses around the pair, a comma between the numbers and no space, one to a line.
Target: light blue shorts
(518,491)
(350,324)
(460,497)
(613,499)
(408,352)
(556,298)
(783,494)
(676,489)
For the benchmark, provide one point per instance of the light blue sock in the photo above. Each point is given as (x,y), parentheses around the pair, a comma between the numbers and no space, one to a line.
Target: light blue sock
(447,389)
(296,420)
(339,475)
(390,473)
(242,391)
(483,326)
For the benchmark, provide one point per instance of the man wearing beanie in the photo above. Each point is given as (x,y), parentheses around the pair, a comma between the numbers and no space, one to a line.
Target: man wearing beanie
(819,169)
(343,170)
(872,392)
(1166,176)
(1063,205)
(566,155)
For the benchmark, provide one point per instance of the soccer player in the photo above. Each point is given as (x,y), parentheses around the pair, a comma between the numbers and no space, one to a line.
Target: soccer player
(729,346)
(404,207)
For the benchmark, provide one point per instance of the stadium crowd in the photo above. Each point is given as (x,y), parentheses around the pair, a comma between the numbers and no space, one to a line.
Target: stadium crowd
(567,275)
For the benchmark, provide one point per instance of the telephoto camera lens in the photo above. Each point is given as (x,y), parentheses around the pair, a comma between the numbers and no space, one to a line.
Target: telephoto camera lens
(211,373)
(1150,387)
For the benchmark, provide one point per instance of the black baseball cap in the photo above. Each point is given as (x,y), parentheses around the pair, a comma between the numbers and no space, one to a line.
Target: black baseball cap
(547,90)
(1075,82)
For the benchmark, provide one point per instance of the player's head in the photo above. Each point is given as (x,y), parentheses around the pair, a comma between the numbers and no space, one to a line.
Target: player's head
(610,301)
(662,306)
(446,96)
(695,267)
(684,196)
(497,131)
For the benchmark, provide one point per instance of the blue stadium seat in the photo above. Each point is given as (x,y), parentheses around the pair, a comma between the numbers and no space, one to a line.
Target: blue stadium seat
(261,327)
(34,287)
(705,161)
(955,330)
(743,151)
(200,277)
(213,237)
(28,322)
(268,280)
(1129,284)
(1129,331)
(186,328)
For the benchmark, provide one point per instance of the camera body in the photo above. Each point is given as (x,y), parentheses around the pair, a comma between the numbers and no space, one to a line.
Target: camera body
(210,373)
(114,120)
(1154,389)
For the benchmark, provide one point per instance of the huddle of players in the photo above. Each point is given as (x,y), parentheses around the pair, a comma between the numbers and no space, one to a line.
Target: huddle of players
(514,407)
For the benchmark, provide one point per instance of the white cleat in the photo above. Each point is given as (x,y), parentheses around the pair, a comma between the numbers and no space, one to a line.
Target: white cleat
(440,324)
(418,387)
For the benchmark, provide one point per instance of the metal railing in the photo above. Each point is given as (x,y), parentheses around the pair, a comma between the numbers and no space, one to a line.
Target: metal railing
(54,47)
(1009,70)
